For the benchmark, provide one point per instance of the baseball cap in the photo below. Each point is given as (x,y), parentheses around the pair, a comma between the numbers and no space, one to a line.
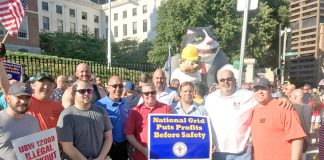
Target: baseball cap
(263,82)
(43,75)
(20,89)
(190,53)
(321,83)
(129,86)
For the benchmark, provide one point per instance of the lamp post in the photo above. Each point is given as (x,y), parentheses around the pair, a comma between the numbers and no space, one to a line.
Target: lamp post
(109,37)
(284,33)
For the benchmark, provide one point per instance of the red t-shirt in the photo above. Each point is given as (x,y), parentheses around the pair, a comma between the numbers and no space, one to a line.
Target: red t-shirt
(273,129)
(46,112)
(137,124)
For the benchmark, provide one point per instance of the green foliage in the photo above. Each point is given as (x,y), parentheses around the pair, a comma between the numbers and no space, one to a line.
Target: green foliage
(130,51)
(73,45)
(174,17)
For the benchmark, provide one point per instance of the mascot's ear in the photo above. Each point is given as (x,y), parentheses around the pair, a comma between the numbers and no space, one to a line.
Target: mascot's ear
(190,31)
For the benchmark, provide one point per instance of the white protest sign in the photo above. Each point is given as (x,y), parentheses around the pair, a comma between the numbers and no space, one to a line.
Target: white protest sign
(41,145)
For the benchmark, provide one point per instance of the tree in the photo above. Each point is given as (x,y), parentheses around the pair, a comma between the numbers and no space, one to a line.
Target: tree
(174,17)
(83,46)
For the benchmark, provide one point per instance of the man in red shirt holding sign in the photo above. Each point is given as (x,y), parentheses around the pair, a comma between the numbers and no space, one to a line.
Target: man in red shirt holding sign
(136,129)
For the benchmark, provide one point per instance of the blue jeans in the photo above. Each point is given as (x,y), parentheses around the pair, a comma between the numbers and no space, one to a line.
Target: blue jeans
(245,155)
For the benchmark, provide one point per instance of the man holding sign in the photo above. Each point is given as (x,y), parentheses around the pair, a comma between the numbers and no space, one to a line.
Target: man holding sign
(14,122)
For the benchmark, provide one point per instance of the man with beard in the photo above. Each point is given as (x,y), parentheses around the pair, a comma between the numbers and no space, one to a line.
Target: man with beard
(14,122)
(84,130)
(230,111)
(163,94)
(117,109)
(83,73)
(136,128)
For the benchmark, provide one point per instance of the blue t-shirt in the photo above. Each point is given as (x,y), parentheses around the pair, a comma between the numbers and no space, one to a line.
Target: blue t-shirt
(3,102)
(118,113)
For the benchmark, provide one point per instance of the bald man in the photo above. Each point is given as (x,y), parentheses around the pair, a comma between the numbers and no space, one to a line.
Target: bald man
(83,73)
(288,89)
(163,93)
(61,84)
(304,113)
(117,109)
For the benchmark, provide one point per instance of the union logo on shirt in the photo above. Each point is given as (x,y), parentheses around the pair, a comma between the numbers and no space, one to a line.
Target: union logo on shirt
(262,120)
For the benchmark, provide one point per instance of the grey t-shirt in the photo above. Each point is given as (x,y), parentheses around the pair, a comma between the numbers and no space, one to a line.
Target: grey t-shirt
(85,128)
(12,128)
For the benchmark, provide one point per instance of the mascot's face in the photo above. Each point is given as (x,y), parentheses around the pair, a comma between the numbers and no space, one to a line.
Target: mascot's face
(202,38)
(187,66)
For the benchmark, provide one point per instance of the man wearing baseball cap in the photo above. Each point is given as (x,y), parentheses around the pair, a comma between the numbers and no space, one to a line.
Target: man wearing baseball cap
(14,122)
(43,107)
(274,126)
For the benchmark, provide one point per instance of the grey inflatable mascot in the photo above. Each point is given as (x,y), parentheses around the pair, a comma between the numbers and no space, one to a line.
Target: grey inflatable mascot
(212,56)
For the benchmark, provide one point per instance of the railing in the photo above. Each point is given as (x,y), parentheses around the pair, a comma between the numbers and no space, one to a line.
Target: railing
(59,66)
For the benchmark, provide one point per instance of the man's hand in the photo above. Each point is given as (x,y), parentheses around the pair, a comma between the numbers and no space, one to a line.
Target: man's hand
(2,50)
(285,103)
(145,151)
(213,148)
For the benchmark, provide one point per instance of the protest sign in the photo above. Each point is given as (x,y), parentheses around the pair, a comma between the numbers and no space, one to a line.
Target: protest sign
(41,145)
(179,137)
(13,70)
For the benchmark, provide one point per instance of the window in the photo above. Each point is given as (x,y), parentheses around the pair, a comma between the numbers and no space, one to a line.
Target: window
(44,6)
(134,27)
(23,30)
(60,25)
(2,30)
(84,28)
(72,27)
(134,11)
(96,32)
(23,50)
(72,13)
(125,29)
(96,19)
(84,15)
(124,14)
(58,9)
(116,31)
(115,16)
(308,22)
(46,23)
(145,9)
(145,25)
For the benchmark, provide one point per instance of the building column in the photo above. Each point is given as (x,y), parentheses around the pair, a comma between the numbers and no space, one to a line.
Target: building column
(249,70)
(320,54)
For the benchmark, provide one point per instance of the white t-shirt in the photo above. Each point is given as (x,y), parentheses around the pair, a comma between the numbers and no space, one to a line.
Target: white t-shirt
(231,118)
(165,97)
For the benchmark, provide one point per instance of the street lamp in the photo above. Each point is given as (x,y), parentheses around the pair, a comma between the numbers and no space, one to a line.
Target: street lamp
(283,33)
(109,37)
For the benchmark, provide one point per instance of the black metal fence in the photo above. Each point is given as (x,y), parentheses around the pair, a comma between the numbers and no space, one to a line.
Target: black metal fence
(61,66)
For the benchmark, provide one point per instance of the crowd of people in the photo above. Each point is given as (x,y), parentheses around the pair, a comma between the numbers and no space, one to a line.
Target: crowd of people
(95,120)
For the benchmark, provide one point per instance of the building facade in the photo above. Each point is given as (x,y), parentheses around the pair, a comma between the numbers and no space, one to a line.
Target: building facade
(134,19)
(305,19)
(27,39)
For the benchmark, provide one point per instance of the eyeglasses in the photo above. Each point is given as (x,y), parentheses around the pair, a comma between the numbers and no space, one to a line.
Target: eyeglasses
(148,93)
(226,79)
(117,85)
(83,91)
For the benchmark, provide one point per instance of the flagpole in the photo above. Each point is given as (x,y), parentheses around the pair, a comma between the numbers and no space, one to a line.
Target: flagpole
(4,39)
(169,63)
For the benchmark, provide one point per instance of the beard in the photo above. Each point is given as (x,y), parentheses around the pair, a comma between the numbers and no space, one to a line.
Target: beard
(21,109)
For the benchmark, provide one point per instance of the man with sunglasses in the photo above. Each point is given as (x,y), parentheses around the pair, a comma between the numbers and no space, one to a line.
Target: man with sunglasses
(84,130)
(274,126)
(83,73)
(136,128)
(117,109)
(230,111)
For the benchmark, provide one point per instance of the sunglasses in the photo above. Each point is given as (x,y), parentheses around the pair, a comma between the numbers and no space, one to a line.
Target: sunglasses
(117,85)
(148,93)
(226,79)
(83,91)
